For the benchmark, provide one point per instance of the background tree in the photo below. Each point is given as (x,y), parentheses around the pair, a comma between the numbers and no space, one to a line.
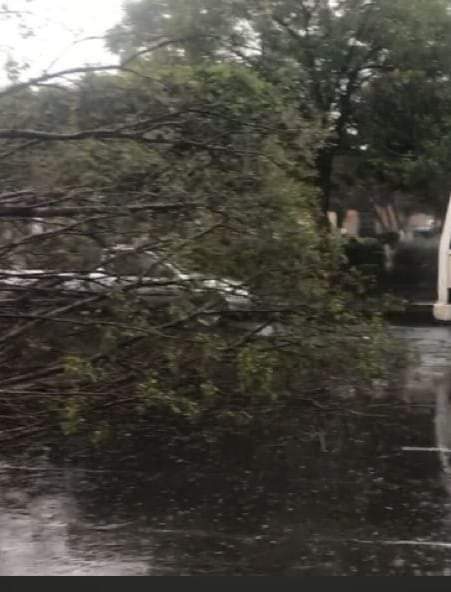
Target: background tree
(327,56)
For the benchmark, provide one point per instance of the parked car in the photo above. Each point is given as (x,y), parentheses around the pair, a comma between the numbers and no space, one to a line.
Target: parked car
(158,280)
(150,273)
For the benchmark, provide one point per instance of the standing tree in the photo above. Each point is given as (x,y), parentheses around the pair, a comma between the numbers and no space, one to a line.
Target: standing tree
(326,55)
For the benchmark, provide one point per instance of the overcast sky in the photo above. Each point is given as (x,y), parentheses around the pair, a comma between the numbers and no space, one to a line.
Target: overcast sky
(57,25)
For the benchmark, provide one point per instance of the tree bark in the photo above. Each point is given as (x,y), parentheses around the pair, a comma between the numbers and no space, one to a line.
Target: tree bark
(325,164)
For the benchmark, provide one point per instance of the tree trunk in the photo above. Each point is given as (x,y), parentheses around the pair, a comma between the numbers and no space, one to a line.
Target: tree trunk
(324,164)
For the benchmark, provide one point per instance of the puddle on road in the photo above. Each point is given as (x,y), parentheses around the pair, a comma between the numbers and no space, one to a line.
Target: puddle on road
(378,502)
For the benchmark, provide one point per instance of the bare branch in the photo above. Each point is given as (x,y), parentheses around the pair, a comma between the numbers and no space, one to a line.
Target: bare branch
(14,88)
(123,66)
(14,195)
(119,134)
(36,212)
(20,148)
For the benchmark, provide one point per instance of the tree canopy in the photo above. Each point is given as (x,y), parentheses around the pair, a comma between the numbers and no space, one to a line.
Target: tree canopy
(331,57)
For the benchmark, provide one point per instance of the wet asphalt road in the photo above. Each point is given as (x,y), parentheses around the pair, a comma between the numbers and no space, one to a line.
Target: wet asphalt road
(375,500)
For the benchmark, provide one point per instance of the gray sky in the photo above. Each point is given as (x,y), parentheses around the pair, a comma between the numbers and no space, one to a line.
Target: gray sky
(57,25)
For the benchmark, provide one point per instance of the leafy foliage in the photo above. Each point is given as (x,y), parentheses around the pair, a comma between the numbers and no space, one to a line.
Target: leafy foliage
(204,167)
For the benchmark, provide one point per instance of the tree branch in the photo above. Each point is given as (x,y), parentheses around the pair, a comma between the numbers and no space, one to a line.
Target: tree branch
(37,212)
(116,134)
(122,66)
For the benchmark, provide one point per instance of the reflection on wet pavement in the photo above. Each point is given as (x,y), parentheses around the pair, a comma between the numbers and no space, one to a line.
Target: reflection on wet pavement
(378,502)
(37,534)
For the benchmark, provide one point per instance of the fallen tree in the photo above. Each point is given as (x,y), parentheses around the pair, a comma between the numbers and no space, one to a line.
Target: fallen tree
(201,179)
